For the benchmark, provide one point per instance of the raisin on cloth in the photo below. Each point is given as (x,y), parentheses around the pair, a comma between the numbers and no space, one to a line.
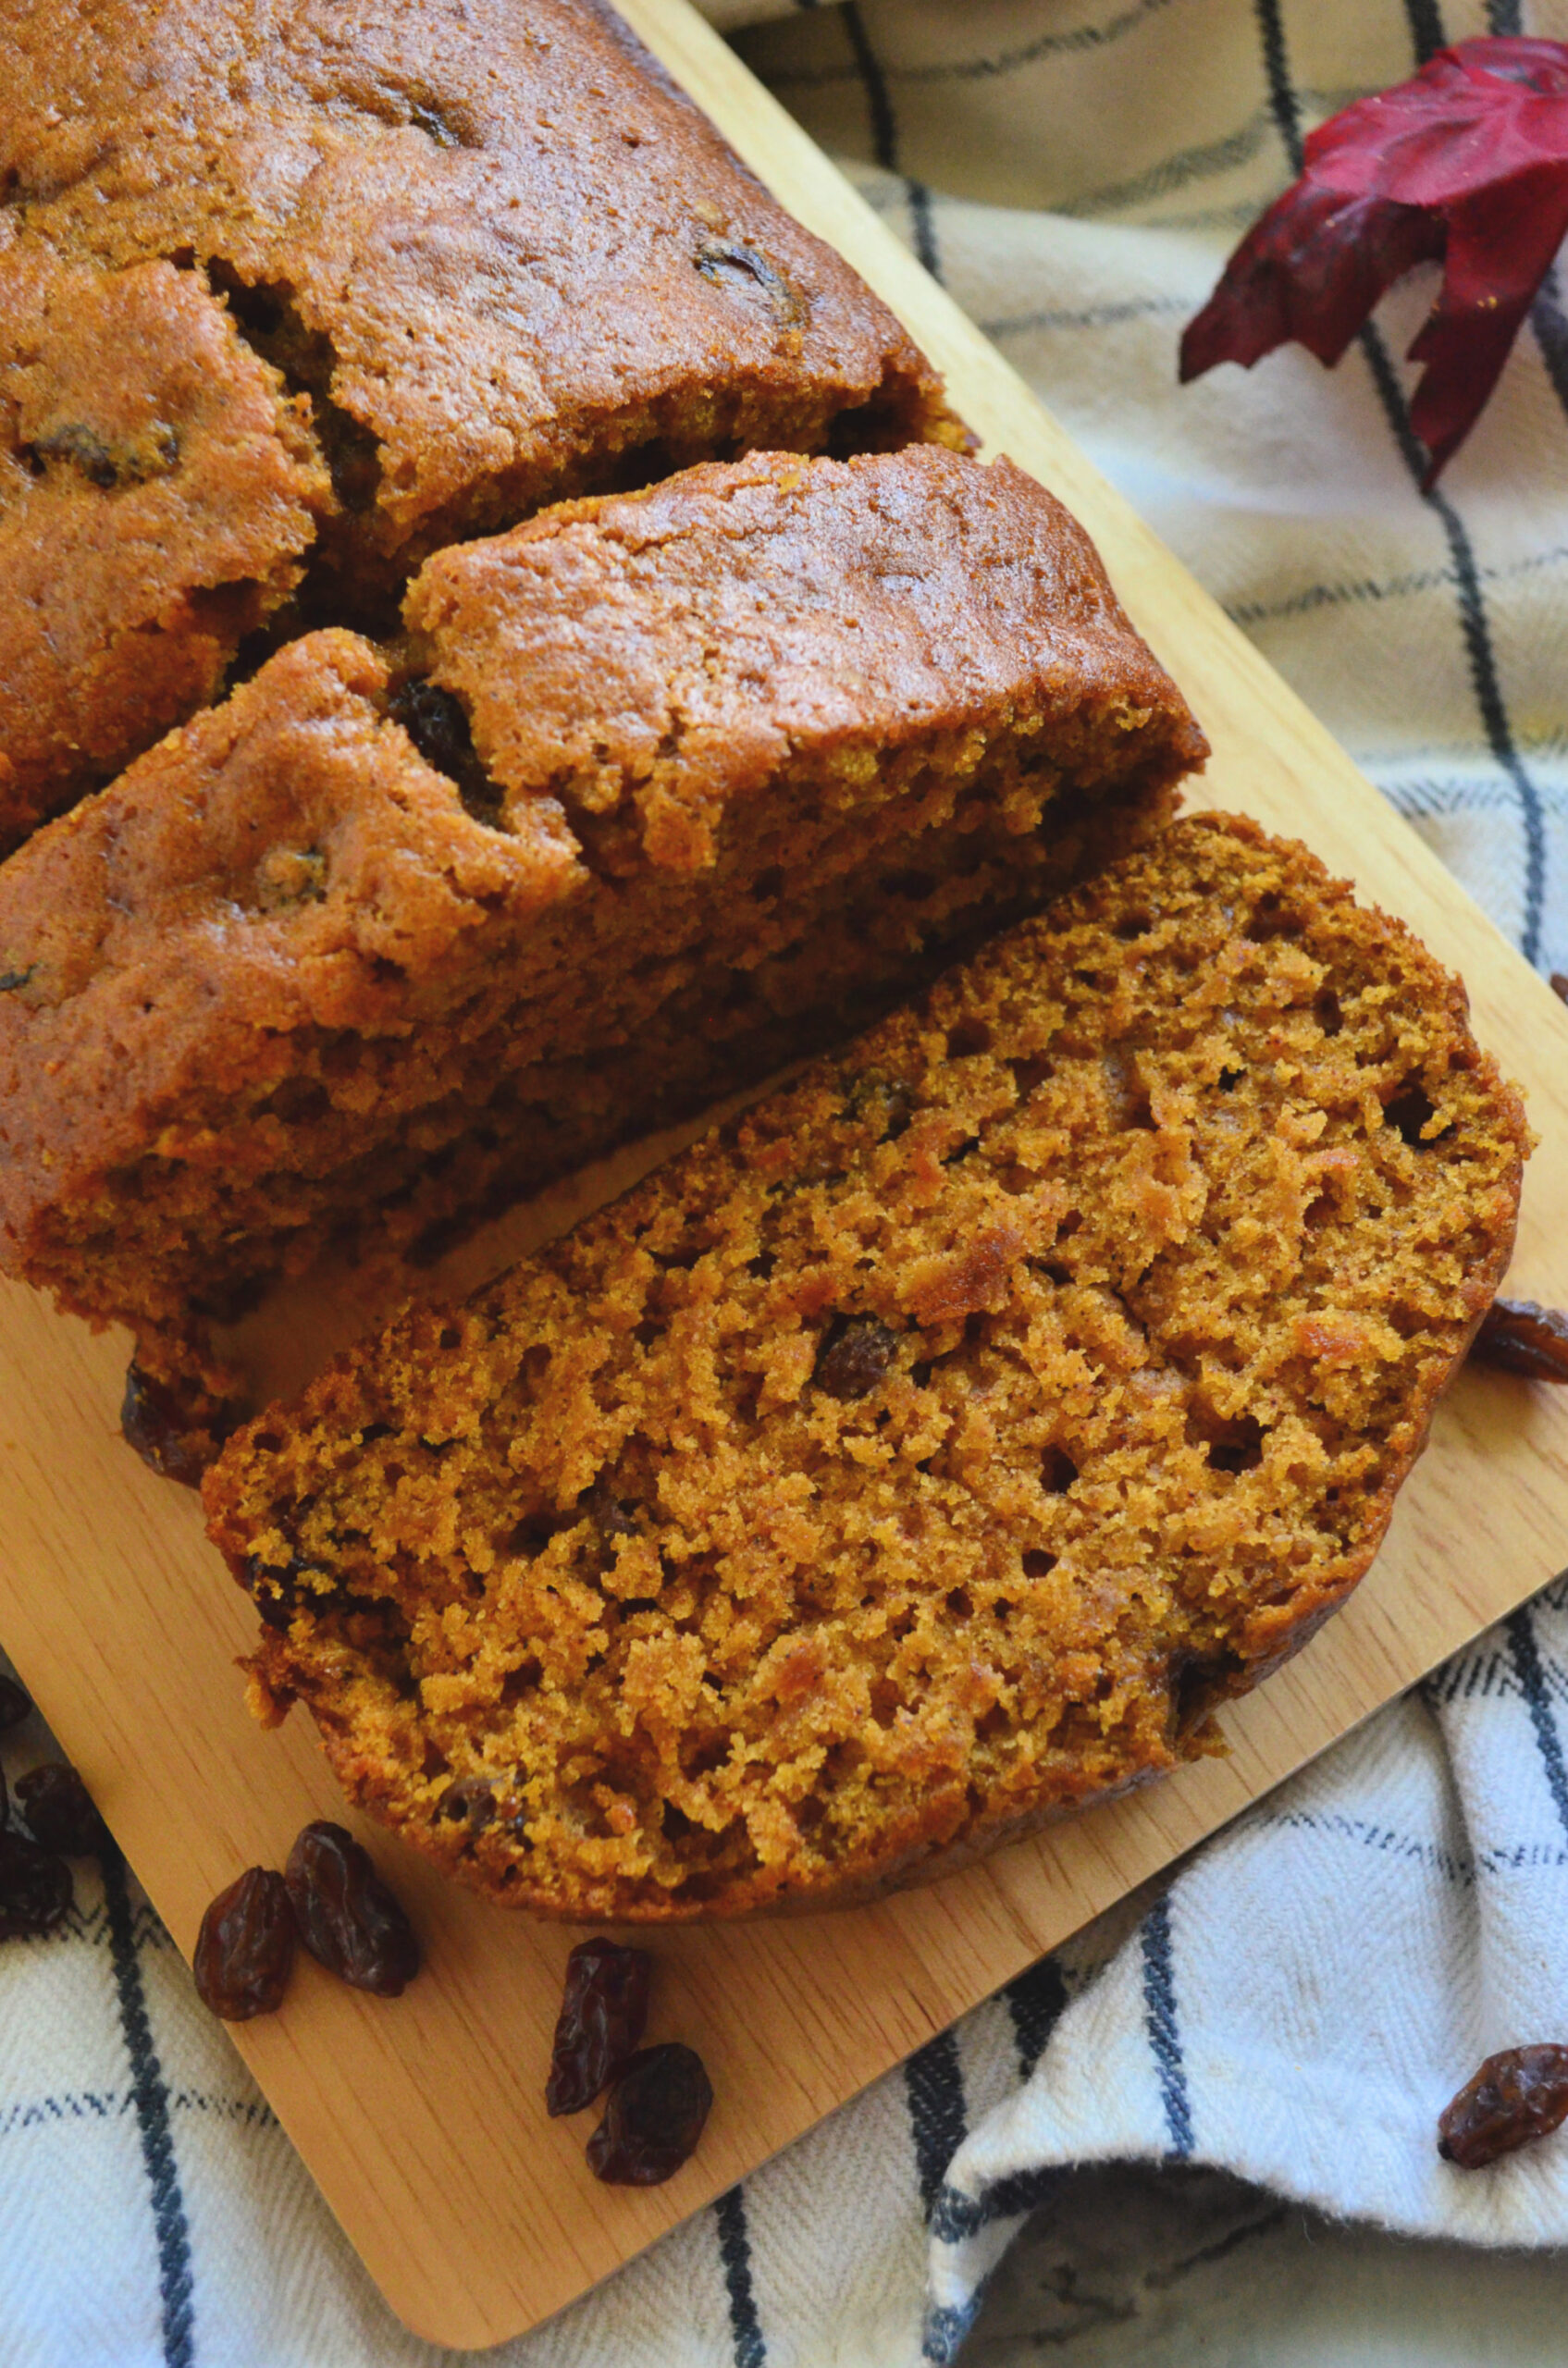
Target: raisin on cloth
(1465,163)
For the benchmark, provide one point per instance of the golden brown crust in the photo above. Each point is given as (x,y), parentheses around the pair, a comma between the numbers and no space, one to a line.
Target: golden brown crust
(927,1454)
(504,255)
(158,490)
(652,660)
(267,981)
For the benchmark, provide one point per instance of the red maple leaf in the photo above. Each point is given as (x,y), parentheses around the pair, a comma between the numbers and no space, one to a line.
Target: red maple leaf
(1467,161)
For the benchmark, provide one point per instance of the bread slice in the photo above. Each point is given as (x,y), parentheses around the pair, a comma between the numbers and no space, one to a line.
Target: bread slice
(725,764)
(928,1454)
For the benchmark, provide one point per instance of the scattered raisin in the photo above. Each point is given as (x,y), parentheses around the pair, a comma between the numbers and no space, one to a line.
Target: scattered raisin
(279,1594)
(83,446)
(245,1949)
(36,1891)
(14,1706)
(731,264)
(347,1918)
(60,1812)
(437,724)
(609,1514)
(176,1433)
(470,1798)
(1515,2097)
(1560,986)
(654,2118)
(855,1357)
(1519,1336)
(603,2018)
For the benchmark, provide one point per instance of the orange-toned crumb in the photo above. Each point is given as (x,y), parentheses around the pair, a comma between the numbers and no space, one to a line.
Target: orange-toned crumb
(928,1453)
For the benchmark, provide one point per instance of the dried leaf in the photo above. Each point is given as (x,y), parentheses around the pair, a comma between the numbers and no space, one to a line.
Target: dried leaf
(1466,162)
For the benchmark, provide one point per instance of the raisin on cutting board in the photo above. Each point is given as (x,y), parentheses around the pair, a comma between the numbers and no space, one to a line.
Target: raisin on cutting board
(59,1811)
(654,2118)
(1516,2097)
(245,1949)
(347,1918)
(1519,1336)
(602,2019)
(177,1432)
(36,1891)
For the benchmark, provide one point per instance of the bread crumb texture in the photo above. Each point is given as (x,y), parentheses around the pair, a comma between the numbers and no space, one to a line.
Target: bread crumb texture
(928,1453)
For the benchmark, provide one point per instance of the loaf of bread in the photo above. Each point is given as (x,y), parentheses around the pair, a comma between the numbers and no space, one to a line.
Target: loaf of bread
(930,1451)
(684,781)
(505,258)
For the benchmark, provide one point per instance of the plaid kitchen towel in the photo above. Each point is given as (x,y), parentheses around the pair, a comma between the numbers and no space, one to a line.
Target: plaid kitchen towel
(1312,1987)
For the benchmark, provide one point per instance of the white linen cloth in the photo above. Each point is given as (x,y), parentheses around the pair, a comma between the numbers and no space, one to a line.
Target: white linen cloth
(1314,1985)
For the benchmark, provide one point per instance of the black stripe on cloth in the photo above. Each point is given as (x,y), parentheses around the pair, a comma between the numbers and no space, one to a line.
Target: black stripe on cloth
(1368,1836)
(114,2104)
(1550,326)
(150,2095)
(955,2216)
(1487,1673)
(735,2254)
(1476,630)
(933,2084)
(884,136)
(1092,316)
(1164,2032)
(1078,38)
(1035,2002)
(1177,171)
(1392,588)
(1520,1630)
(1426,22)
(1474,625)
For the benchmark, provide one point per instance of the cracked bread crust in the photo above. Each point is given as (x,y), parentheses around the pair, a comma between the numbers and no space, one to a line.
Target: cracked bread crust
(506,257)
(279,979)
(652,659)
(158,492)
(925,1455)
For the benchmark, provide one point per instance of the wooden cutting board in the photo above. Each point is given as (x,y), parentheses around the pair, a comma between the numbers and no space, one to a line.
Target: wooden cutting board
(422,2119)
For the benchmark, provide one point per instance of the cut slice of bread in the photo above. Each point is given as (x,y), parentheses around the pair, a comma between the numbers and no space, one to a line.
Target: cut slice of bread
(928,1453)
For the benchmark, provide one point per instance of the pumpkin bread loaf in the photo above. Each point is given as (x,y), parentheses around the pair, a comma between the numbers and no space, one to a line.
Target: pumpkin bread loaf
(684,782)
(158,490)
(927,1453)
(504,257)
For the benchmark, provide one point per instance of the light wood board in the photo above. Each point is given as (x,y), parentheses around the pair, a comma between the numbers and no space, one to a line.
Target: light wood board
(422,2119)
